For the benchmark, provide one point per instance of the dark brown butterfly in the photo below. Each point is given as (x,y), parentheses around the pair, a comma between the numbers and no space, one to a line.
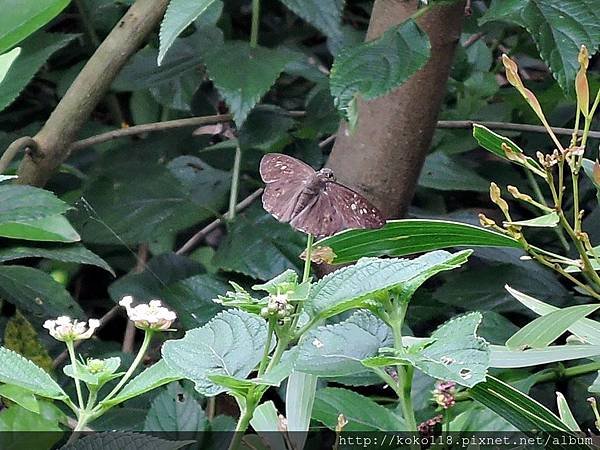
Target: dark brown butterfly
(311,201)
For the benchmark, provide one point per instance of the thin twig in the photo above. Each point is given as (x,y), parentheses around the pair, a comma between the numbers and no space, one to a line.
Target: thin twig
(129,338)
(510,126)
(200,235)
(103,321)
(13,149)
(472,39)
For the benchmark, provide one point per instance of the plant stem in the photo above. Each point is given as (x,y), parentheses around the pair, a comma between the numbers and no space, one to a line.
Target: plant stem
(235,182)
(136,362)
(255,23)
(265,358)
(71,350)
(246,414)
(307,263)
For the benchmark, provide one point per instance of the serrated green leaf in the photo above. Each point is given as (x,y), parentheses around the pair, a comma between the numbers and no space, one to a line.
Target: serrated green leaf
(586,329)
(21,18)
(546,329)
(19,371)
(546,221)
(66,253)
(558,28)
(409,236)
(231,344)
(6,60)
(179,15)
(362,413)
(22,397)
(151,378)
(35,51)
(121,440)
(374,68)
(338,349)
(357,286)
(256,70)
(35,291)
(25,203)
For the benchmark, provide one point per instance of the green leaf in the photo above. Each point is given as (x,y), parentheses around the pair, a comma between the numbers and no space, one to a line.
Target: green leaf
(30,427)
(588,168)
(19,371)
(266,423)
(503,357)
(35,291)
(565,412)
(151,378)
(546,329)
(409,236)
(35,51)
(338,349)
(558,28)
(517,408)
(359,285)
(21,18)
(6,60)
(192,299)
(454,352)
(586,329)
(26,203)
(445,173)
(46,229)
(256,70)
(546,221)
(299,404)
(324,15)
(66,253)
(98,377)
(121,440)
(179,15)
(275,246)
(374,68)
(175,410)
(21,396)
(362,413)
(230,344)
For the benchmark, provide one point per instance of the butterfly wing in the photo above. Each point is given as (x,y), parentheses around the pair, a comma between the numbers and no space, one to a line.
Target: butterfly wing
(285,177)
(337,208)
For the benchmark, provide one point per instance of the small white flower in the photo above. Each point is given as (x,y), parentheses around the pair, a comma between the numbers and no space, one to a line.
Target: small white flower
(66,329)
(149,316)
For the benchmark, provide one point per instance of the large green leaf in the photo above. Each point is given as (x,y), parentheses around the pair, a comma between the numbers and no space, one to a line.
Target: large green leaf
(231,344)
(21,18)
(374,68)
(35,51)
(179,15)
(256,70)
(121,440)
(559,28)
(324,15)
(35,291)
(338,349)
(154,376)
(546,329)
(175,410)
(362,413)
(46,229)
(274,247)
(357,286)
(409,236)
(67,253)
(454,352)
(299,402)
(26,203)
(522,411)
(444,173)
(586,329)
(18,371)
(6,60)
(502,357)
(192,299)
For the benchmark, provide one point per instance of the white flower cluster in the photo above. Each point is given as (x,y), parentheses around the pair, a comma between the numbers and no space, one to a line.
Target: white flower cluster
(66,329)
(149,316)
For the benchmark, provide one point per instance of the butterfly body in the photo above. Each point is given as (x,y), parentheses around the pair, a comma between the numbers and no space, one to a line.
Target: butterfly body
(312,201)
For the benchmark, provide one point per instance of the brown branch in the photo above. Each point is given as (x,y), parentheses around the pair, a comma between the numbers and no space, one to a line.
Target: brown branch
(88,89)
(13,149)
(511,127)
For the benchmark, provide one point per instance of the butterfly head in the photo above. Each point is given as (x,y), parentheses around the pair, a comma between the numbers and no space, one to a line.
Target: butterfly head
(325,175)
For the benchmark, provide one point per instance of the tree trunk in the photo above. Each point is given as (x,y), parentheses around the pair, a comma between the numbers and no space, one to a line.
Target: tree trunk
(383,157)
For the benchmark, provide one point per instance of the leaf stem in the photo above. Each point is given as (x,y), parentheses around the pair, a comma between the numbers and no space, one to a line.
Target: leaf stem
(307,263)
(246,413)
(235,183)
(255,23)
(71,350)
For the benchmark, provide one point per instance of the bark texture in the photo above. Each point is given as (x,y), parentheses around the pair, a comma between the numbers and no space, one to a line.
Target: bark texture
(383,157)
(90,86)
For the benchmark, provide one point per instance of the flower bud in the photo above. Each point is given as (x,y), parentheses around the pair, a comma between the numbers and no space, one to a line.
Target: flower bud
(486,221)
(66,329)
(512,72)
(496,196)
(149,316)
